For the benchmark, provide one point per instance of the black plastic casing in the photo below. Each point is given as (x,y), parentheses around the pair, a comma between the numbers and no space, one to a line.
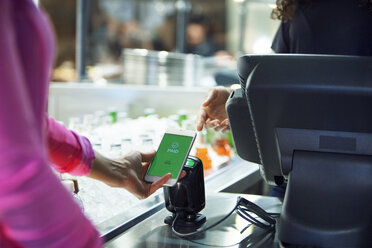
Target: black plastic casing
(311,119)
(188,194)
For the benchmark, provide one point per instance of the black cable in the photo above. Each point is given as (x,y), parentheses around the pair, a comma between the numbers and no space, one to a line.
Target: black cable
(203,230)
(243,207)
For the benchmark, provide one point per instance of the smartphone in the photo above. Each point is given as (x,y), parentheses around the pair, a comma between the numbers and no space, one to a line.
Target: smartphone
(171,155)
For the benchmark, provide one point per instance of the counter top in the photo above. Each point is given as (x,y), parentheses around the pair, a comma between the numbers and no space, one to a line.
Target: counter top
(238,174)
(152,232)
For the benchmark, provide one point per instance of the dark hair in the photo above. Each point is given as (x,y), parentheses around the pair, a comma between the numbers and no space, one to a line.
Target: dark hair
(285,8)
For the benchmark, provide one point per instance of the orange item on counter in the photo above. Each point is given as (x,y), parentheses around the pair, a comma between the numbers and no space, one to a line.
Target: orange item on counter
(202,154)
(222,147)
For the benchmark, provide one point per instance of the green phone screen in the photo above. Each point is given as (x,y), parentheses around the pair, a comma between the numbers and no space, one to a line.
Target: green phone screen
(170,155)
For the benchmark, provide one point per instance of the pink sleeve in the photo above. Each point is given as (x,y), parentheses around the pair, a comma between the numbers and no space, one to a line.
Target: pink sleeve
(68,151)
(35,209)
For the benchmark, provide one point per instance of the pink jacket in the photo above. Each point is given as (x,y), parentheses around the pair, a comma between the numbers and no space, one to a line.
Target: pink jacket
(35,209)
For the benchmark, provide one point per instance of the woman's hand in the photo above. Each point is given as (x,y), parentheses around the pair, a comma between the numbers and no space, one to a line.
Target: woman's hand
(212,113)
(127,172)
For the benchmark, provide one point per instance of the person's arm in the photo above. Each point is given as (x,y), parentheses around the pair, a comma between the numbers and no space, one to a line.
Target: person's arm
(68,151)
(72,153)
(35,209)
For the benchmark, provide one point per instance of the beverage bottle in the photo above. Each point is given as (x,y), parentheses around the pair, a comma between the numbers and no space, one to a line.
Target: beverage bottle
(182,116)
(202,154)
(113,113)
(222,147)
(70,186)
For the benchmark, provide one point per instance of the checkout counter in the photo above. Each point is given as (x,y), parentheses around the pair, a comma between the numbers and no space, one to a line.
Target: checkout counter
(186,205)
(120,227)
(236,177)
(152,232)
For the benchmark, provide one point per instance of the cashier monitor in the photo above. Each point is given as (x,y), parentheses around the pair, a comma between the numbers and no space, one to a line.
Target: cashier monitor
(307,120)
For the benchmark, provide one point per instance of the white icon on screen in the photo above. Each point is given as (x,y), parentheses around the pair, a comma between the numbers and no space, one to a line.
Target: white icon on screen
(174,149)
(175,145)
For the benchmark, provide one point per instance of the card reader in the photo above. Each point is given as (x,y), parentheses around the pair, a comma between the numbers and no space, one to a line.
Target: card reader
(187,197)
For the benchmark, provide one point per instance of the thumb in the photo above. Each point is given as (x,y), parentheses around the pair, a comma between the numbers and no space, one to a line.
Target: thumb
(158,184)
(148,156)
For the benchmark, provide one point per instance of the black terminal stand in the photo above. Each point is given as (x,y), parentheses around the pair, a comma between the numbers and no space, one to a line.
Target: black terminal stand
(187,198)
(328,201)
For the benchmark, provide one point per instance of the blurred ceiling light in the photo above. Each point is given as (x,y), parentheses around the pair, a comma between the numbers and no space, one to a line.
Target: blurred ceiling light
(36,2)
(162,56)
(262,45)
(272,5)
(235,86)
(239,1)
(141,51)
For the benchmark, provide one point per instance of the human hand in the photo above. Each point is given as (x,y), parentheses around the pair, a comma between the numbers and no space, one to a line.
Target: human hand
(134,166)
(127,172)
(212,113)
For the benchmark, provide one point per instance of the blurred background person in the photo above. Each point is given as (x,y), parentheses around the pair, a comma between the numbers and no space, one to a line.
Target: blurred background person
(199,39)
(164,38)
